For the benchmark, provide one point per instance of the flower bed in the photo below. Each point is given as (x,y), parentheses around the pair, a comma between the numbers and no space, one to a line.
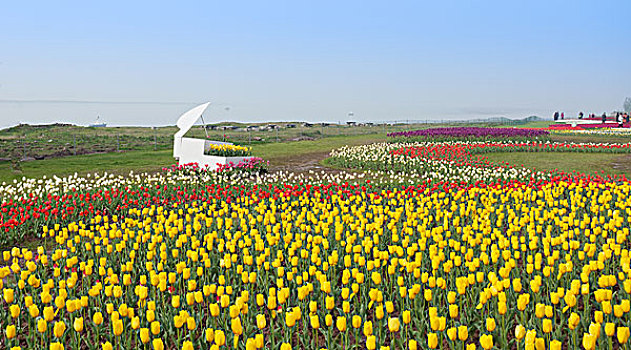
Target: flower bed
(198,259)
(407,267)
(225,150)
(252,165)
(598,132)
(468,134)
(459,161)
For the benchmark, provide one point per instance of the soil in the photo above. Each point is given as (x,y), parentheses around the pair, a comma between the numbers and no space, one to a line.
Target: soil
(622,163)
(302,163)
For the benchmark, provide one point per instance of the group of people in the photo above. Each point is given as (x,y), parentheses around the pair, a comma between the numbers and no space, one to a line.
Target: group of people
(620,118)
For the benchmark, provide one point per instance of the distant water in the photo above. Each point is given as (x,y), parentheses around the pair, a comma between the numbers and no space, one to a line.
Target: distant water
(159,114)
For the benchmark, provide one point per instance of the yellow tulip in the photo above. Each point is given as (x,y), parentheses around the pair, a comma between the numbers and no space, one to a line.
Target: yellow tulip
(490,324)
(573,320)
(315,321)
(406,316)
(10,331)
(432,340)
(144,335)
(9,295)
(135,322)
(33,311)
(117,327)
(340,323)
(178,321)
(14,310)
(78,324)
(623,334)
(371,342)
(214,310)
(220,337)
(150,315)
(356,321)
(452,333)
(259,341)
(59,329)
(157,344)
(547,325)
(328,320)
(56,346)
(589,341)
(522,301)
(486,340)
(453,310)
(235,326)
(190,323)
(394,324)
(329,302)
(540,344)
(610,329)
(290,320)
(42,325)
(97,318)
(367,328)
(520,332)
(261,322)
(463,333)
(107,346)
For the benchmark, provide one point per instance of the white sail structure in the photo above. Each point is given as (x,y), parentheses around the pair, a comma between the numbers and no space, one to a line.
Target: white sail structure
(189,150)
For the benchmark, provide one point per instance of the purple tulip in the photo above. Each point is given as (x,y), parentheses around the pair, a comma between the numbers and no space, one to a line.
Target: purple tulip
(471,132)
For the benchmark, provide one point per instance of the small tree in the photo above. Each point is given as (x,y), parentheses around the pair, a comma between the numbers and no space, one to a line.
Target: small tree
(627,105)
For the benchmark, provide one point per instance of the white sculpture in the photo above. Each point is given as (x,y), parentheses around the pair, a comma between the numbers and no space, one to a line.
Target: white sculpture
(189,150)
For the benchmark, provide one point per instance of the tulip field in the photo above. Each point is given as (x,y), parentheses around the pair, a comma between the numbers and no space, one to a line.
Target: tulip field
(469,134)
(424,245)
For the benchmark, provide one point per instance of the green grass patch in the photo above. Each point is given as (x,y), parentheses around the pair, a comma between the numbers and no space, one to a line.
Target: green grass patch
(588,163)
(151,161)
(537,124)
(107,162)
(279,151)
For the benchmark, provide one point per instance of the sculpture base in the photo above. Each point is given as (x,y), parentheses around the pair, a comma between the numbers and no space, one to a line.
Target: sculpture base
(211,162)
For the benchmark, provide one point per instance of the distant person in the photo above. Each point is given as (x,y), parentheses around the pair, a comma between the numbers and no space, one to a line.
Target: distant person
(619,119)
(556,116)
(604,117)
(580,115)
(626,118)
(562,115)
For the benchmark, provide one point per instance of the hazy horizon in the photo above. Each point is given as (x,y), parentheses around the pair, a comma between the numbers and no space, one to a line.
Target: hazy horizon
(217,113)
(145,63)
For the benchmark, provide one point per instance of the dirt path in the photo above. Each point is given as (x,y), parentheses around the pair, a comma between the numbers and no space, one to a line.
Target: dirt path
(622,163)
(301,163)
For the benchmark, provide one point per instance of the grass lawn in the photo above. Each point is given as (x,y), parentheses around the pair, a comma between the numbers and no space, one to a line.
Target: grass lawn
(590,138)
(111,162)
(275,152)
(587,163)
(539,124)
(150,161)
(292,152)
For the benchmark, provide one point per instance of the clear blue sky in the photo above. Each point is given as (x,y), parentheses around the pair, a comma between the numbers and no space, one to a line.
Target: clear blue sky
(310,60)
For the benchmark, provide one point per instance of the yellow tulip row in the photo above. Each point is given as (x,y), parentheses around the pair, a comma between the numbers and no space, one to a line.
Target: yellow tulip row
(480,267)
